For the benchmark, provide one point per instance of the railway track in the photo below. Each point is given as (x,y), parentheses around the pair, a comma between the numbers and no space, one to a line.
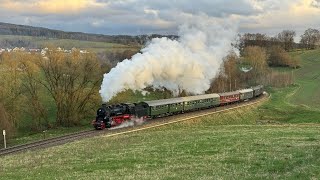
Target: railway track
(109,133)
(48,142)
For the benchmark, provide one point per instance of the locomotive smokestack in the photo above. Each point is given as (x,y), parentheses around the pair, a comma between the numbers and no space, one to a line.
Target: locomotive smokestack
(189,63)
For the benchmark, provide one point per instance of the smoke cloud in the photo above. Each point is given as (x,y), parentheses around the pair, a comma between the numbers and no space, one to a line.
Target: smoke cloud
(189,63)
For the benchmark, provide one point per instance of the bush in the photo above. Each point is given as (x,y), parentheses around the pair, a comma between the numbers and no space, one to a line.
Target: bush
(279,57)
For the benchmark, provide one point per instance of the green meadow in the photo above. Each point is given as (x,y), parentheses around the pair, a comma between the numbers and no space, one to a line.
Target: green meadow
(308,79)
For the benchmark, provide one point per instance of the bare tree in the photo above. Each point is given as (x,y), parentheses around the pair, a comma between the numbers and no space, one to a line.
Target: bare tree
(279,57)
(11,96)
(310,38)
(32,89)
(228,77)
(256,57)
(73,81)
(286,37)
(249,39)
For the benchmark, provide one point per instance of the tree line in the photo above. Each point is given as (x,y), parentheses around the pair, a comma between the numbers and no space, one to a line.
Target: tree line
(310,39)
(277,47)
(23,30)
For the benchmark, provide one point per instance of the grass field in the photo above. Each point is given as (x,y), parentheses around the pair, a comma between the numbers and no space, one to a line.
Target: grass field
(69,43)
(279,110)
(189,151)
(308,77)
(279,139)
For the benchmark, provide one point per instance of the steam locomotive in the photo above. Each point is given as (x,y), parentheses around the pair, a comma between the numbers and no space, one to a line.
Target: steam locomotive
(114,115)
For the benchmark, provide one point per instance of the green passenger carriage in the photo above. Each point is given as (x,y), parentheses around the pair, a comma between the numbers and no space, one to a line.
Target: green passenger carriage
(246,94)
(257,90)
(201,101)
(176,105)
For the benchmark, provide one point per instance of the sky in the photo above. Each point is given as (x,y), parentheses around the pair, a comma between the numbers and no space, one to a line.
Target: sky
(134,17)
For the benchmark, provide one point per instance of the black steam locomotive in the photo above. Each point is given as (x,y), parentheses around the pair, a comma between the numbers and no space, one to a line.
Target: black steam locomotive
(113,115)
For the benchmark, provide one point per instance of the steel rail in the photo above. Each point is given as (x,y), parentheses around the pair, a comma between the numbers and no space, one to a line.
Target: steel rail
(45,142)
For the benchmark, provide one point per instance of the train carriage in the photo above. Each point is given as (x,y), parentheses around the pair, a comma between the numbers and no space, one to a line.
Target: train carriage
(161,107)
(176,105)
(257,90)
(201,101)
(246,94)
(229,97)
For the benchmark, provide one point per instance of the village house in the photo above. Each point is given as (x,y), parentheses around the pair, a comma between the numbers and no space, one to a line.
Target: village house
(16,49)
(43,51)
(2,50)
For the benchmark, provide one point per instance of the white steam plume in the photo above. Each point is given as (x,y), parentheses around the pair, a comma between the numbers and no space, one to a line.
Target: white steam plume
(189,63)
(133,122)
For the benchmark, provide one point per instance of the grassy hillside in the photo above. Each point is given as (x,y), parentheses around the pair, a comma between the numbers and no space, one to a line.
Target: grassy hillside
(279,110)
(279,139)
(298,103)
(308,77)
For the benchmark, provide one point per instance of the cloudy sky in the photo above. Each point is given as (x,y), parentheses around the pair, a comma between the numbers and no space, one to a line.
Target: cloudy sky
(160,16)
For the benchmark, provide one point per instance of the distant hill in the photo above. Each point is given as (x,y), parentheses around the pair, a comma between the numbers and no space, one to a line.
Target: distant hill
(23,30)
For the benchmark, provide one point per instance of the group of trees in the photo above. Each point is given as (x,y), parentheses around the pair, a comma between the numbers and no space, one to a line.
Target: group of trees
(277,47)
(32,85)
(310,39)
(258,53)
(278,57)
(67,84)
(253,68)
(111,58)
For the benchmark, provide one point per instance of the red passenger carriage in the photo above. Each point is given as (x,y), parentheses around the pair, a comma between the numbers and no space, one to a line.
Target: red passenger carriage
(229,97)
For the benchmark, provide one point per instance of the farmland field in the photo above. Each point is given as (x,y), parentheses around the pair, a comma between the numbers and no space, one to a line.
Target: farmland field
(68,43)
(279,139)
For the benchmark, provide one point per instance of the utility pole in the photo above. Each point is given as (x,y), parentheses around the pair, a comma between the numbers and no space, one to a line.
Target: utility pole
(230,80)
(292,76)
(4,138)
